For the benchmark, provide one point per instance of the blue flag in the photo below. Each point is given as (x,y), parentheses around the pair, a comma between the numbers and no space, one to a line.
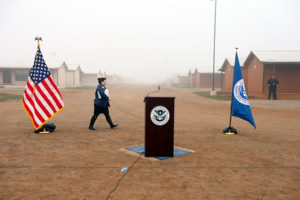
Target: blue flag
(240,103)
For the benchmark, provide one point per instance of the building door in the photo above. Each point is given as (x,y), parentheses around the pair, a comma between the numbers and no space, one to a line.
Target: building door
(7,76)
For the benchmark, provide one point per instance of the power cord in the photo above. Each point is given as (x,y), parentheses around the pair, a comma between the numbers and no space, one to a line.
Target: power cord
(123,176)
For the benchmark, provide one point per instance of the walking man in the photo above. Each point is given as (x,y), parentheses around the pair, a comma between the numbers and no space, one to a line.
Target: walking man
(272,82)
(101,104)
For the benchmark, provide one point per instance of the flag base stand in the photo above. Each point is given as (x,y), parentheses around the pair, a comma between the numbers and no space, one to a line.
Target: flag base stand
(213,93)
(47,128)
(230,131)
(44,131)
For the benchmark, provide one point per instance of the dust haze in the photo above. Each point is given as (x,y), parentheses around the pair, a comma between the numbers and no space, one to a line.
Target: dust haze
(146,41)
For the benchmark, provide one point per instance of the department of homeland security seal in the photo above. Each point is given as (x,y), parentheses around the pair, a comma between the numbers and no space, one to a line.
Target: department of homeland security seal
(240,93)
(160,115)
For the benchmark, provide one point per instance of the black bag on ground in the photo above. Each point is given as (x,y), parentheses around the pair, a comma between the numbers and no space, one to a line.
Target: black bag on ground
(49,126)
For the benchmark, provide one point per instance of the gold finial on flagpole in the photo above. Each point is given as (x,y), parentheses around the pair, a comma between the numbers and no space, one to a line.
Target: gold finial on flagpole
(38,39)
(236,48)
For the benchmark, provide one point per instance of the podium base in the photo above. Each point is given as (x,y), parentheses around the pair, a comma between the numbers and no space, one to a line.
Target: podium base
(178,151)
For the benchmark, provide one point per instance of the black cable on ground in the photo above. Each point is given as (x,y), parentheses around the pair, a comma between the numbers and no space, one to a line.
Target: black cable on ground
(123,176)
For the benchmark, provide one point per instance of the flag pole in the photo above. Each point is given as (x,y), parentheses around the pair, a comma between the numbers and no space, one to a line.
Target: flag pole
(38,39)
(230,113)
(232,99)
(230,130)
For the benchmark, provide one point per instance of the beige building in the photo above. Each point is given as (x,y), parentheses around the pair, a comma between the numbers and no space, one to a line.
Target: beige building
(16,73)
(200,80)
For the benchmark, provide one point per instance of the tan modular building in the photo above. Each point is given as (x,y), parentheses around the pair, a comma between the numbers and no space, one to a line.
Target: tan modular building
(201,80)
(73,76)
(16,73)
(89,79)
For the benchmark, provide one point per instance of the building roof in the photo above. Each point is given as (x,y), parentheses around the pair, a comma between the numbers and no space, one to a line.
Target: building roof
(25,64)
(292,56)
(73,67)
(231,61)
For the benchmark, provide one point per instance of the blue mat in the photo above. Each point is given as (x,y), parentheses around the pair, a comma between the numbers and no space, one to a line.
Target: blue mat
(141,149)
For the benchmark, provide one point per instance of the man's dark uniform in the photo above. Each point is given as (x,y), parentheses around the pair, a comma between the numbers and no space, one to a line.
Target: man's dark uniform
(272,87)
(101,104)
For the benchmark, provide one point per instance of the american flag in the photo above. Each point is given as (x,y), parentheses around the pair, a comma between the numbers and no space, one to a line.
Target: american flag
(41,99)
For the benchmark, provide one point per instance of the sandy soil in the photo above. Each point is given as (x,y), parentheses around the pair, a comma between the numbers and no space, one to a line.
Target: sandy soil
(75,163)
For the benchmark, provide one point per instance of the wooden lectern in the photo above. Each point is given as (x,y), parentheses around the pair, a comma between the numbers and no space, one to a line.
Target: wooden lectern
(159,126)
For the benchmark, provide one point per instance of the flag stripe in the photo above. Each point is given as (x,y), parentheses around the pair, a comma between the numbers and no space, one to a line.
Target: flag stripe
(50,91)
(30,91)
(29,105)
(29,113)
(43,99)
(25,101)
(35,110)
(54,90)
(41,102)
(30,84)
(35,103)
(44,102)
(45,91)
(54,86)
(47,97)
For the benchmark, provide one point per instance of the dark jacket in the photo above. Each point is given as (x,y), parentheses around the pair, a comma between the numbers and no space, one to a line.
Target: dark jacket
(273,83)
(101,99)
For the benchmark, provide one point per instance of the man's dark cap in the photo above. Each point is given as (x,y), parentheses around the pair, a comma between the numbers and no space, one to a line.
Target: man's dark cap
(100,80)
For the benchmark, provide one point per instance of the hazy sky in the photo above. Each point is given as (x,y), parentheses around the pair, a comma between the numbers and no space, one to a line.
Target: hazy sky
(146,39)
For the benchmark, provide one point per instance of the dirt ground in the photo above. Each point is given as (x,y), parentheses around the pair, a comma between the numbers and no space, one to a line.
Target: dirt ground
(75,163)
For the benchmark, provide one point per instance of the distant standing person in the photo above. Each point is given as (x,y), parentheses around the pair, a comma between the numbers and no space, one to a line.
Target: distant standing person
(272,82)
(101,104)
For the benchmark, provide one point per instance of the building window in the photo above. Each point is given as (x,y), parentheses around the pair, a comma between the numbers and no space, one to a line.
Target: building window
(22,75)
(254,67)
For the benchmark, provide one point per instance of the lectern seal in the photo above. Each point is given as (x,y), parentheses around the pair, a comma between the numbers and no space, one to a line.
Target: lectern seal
(160,115)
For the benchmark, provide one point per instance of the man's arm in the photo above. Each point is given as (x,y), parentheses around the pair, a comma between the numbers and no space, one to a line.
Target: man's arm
(104,93)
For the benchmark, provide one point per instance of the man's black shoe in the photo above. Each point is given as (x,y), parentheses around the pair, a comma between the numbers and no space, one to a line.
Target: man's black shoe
(92,128)
(114,126)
